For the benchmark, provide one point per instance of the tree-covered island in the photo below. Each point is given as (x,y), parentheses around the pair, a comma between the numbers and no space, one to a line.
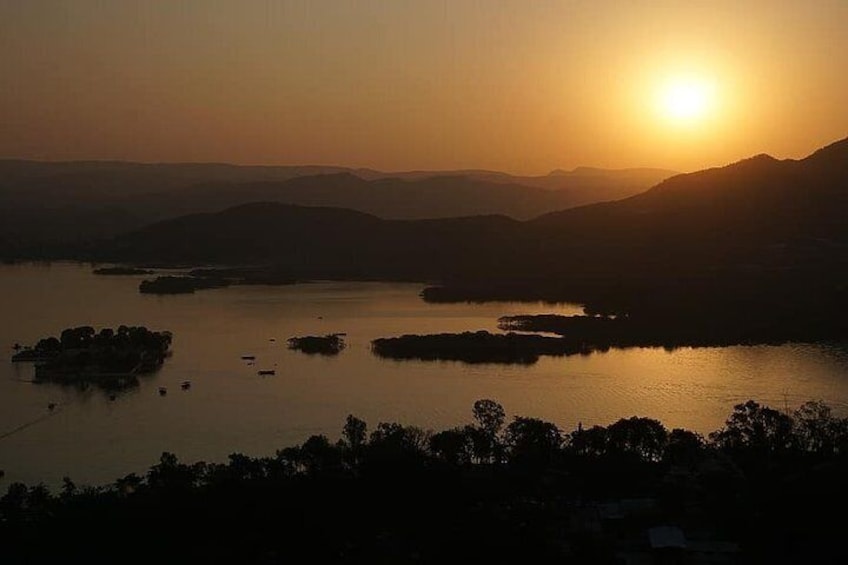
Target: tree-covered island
(331,344)
(122,271)
(475,347)
(108,358)
(179,285)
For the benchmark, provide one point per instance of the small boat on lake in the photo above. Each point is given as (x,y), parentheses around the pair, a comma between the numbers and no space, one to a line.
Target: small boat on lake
(267,372)
(248,357)
(185,385)
(163,391)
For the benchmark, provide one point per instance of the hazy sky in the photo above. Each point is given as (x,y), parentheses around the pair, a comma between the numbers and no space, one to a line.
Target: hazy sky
(516,85)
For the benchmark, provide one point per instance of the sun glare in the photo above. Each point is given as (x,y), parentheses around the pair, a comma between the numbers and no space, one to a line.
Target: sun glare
(686,99)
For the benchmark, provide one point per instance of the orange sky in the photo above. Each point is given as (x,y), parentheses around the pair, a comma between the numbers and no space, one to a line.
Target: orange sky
(511,85)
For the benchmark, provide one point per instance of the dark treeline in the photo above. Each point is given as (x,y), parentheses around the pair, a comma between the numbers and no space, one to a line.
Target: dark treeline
(762,489)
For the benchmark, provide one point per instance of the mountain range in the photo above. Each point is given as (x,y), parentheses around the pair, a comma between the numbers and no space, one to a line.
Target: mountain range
(45,204)
(760,236)
(749,210)
(748,234)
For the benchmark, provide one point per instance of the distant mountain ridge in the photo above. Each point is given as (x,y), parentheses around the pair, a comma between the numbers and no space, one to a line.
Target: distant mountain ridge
(760,220)
(83,180)
(50,205)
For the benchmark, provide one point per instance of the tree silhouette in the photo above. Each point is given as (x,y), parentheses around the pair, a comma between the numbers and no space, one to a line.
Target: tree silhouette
(532,441)
(817,430)
(755,428)
(643,437)
(354,432)
(454,446)
(490,418)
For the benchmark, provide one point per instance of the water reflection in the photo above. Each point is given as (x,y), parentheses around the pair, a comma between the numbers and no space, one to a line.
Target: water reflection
(230,408)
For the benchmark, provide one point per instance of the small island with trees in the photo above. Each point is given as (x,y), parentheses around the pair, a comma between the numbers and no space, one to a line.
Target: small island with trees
(209,278)
(475,347)
(180,285)
(122,271)
(110,359)
(331,344)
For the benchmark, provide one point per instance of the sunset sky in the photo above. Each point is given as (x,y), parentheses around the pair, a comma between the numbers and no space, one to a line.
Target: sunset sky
(511,85)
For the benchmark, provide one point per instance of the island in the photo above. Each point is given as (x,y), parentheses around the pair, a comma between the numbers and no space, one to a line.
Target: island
(180,285)
(667,330)
(583,335)
(331,344)
(110,359)
(475,347)
(122,271)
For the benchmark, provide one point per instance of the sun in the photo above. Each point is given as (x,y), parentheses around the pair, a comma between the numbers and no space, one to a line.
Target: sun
(686,99)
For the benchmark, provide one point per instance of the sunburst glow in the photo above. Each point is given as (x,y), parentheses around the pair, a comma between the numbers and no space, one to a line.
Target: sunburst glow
(686,99)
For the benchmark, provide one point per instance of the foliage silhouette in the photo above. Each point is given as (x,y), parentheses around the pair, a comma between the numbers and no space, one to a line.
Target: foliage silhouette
(760,482)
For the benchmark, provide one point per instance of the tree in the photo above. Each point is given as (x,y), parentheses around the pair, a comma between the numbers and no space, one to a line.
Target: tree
(394,442)
(532,441)
(683,446)
(317,455)
(128,484)
(170,473)
(354,432)
(591,442)
(817,430)
(755,428)
(77,338)
(490,418)
(453,446)
(643,437)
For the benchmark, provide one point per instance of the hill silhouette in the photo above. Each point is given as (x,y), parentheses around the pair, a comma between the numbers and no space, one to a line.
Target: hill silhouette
(758,209)
(440,196)
(739,240)
(320,242)
(47,208)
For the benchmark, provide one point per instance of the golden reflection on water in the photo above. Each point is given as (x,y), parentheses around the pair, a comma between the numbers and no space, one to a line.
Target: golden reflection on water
(230,408)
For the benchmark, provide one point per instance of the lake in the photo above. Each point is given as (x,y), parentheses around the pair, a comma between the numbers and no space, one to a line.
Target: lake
(230,408)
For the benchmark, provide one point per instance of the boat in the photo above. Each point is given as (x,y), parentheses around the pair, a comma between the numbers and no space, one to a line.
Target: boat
(267,372)
(248,357)
(185,385)
(163,391)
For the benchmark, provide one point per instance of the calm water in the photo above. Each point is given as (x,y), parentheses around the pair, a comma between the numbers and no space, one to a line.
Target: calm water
(231,409)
